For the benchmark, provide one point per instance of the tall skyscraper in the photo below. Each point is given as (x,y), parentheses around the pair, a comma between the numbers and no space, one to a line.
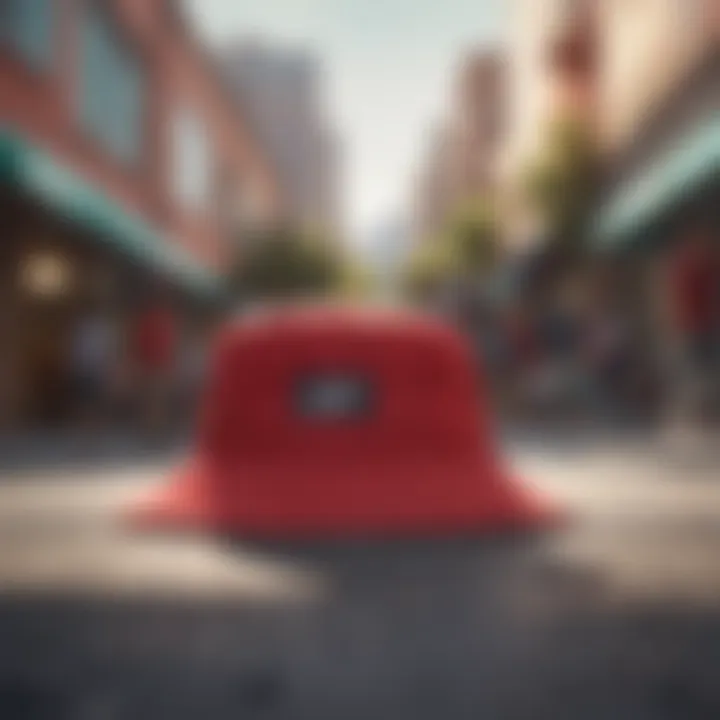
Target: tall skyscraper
(461,166)
(478,123)
(280,90)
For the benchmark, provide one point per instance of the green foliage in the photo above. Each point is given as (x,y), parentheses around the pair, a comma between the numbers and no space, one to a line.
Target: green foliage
(284,264)
(560,185)
(428,268)
(473,239)
(356,281)
(468,247)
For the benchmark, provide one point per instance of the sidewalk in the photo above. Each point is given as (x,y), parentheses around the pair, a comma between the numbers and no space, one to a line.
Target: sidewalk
(68,449)
(47,451)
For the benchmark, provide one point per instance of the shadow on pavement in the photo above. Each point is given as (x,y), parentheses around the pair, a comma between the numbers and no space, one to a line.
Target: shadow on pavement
(468,628)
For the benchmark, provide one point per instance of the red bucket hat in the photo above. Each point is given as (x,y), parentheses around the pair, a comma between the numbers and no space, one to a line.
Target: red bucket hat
(331,421)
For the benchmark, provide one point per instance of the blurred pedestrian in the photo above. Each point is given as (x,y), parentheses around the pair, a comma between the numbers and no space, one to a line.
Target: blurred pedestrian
(92,358)
(191,374)
(557,386)
(523,357)
(694,274)
(606,355)
(155,351)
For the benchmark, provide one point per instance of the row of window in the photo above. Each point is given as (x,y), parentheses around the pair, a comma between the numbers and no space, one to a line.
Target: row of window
(27,25)
(112,88)
(111,91)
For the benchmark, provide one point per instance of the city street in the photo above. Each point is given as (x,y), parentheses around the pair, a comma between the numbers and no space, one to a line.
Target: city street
(616,615)
(333,243)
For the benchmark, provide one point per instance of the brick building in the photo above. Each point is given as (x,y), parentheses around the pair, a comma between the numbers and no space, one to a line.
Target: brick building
(124,165)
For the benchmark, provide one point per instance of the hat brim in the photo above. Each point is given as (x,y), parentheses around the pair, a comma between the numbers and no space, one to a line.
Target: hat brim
(203,496)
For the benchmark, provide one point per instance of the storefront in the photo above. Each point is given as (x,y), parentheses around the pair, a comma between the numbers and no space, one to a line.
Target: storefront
(68,250)
(670,170)
(665,189)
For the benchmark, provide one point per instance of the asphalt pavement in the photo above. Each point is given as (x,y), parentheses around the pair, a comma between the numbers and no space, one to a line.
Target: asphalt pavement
(615,615)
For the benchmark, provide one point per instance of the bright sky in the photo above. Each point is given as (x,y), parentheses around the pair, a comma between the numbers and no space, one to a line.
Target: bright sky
(388,65)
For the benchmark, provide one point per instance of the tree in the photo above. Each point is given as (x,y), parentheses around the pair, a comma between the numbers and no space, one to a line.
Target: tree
(356,280)
(561,184)
(284,264)
(428,269)
(467,250)
(474,238)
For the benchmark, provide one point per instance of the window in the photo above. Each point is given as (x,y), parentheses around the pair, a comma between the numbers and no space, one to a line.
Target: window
(26,26)
(192,172)
(6,15)
(112,88)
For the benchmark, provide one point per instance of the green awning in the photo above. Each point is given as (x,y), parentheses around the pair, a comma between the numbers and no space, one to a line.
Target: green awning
(665,185)
(39,175)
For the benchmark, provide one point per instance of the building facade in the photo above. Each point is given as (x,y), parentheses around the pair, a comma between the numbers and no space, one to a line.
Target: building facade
(648,47)
(281,91)
(659,120)
(478,124)
(660,128)
(552,74)
(462,162)
(124,165)
(432,194)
